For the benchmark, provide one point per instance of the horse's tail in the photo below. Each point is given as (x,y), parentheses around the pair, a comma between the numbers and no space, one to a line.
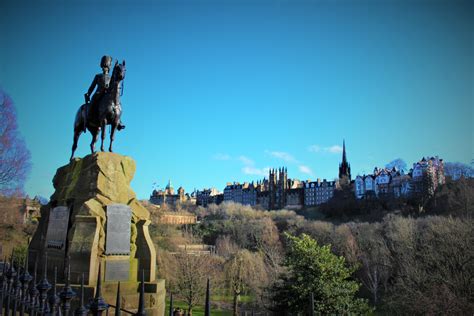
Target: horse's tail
(79,119)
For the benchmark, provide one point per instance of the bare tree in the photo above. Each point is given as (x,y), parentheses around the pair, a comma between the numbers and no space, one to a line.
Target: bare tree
(14,156)
(433,265)
(225,246)
(456,170)
(244,271)
(273,255)
(398,163)
(374,257)
(190,275)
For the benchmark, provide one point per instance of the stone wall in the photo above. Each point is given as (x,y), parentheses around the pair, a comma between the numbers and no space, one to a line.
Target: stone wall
(177,219)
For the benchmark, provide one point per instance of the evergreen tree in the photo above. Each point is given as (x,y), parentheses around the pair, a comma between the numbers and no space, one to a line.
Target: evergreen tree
(315,269)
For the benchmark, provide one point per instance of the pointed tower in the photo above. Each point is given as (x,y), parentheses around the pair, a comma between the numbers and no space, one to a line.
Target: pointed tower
(169,188)
(272,183)
(344,167)
(282,187)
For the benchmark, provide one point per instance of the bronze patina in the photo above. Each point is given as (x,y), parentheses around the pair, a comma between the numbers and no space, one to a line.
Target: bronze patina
(104,108)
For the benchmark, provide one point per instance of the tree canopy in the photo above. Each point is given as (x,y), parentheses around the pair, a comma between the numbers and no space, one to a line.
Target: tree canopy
(398,163)
(315,269)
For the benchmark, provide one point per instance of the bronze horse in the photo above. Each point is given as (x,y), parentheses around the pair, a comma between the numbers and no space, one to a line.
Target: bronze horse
(106,112)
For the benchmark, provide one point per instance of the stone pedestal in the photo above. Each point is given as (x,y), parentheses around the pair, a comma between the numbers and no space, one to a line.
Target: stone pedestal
(94,217)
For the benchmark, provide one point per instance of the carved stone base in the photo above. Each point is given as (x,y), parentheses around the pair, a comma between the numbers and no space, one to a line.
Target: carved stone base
(85,189)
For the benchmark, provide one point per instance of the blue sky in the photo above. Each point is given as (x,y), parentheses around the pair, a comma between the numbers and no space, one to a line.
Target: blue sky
(217,91)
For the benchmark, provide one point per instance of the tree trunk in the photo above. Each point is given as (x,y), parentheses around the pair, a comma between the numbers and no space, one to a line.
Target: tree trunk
(236,304)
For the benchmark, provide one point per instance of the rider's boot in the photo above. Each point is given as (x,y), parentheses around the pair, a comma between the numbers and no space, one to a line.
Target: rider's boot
(120,126)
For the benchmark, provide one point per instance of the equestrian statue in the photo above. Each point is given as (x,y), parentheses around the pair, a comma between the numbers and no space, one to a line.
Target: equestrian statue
(104,108)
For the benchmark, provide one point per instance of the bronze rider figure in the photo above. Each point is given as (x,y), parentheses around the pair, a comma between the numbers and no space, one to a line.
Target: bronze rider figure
(101,81)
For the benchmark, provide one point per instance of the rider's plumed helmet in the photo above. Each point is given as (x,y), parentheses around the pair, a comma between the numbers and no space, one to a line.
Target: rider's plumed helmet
(106,61)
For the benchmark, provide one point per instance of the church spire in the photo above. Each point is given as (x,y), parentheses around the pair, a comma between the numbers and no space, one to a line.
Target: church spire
(344,167)
(344,158)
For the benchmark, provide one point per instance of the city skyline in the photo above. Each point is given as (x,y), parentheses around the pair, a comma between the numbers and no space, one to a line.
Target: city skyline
(222,92)
(264,175)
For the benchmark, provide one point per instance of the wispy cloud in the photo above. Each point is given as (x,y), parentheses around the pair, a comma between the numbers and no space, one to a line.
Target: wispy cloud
(314,148)
(305,169)
(334,149)
(249,167)
(246,161)
(282,155)
(221,156)
(255,171)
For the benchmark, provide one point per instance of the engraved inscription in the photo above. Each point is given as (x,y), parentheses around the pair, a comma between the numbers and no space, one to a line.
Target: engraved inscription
(117,270)
(117,241)
(57,227)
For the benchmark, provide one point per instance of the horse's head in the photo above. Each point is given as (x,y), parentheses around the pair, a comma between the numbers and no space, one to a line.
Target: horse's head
(118,75)
(119,71)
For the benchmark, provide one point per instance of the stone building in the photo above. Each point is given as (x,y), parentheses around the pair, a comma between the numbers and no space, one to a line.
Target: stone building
(233,192)
(295,198)
(383,182)
(383,179)
(424,178)
(276,192)
(177,219)
(208,196)
(426,175)
(168,196)
(277,188)
(400,185)
(364,186)
(263,199)
(30,210)
(318,192)
(245,193)
(249,194)
(19,210)
(217,198)
(295,194)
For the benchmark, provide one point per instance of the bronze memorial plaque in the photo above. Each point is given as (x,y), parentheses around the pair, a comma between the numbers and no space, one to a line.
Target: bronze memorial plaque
(57,227)
(117,241)
(117,270)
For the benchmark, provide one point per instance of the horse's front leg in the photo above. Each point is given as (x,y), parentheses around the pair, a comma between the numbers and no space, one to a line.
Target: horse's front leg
(95,134)
(112,135)
(104,125)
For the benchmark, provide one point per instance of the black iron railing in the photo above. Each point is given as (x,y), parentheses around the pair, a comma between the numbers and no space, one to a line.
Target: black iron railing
(21,293)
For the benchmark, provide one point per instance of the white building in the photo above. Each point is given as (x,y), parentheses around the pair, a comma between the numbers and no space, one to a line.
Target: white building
(425,176)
